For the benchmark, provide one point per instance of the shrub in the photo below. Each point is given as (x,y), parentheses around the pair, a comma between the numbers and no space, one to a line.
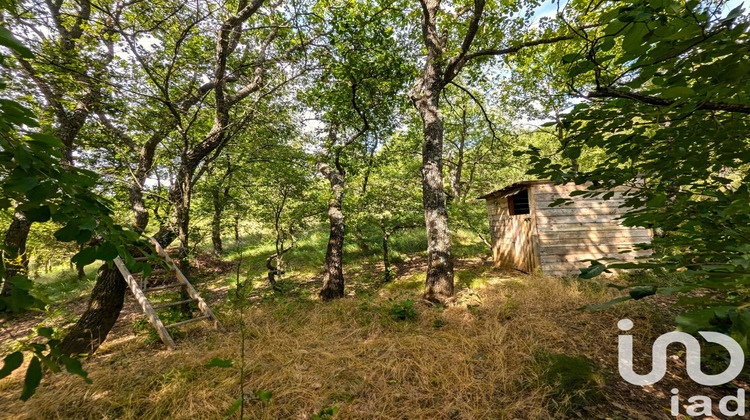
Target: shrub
(402,310)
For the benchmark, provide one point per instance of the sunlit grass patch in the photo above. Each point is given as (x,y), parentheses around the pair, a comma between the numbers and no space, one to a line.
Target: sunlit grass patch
(412,282)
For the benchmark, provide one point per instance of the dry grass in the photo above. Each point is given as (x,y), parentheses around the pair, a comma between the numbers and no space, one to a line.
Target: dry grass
(478,360)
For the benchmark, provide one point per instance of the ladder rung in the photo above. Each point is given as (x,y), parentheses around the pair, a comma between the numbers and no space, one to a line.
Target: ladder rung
(160,271)
(141,258)
(166,305)
(177,324)
(165,287)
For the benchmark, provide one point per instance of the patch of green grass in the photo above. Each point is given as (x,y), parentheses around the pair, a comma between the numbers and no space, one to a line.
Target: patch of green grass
(467,244)
(411,283)
(64,285)
(409,241)
(572,381)
(471,278)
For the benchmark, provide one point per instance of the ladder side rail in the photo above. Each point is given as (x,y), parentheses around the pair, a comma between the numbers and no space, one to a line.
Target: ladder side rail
(145,304)
(202,305)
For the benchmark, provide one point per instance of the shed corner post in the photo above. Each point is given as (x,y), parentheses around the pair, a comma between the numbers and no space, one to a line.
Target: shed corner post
(535,245)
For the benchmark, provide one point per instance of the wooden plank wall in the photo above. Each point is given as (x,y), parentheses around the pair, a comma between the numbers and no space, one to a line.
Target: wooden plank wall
(586,229)
(512,246)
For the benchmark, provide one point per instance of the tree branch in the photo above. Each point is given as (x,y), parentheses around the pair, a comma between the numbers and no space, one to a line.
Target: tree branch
(510,50)
(605,92)
(455,63)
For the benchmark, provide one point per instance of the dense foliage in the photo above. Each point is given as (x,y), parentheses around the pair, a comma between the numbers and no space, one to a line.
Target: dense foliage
(668,86)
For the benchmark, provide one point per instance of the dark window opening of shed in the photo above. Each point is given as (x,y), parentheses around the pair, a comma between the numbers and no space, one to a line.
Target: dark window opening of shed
(519,203)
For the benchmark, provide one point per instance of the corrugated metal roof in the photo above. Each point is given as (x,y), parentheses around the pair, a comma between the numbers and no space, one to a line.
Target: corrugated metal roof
(513,189)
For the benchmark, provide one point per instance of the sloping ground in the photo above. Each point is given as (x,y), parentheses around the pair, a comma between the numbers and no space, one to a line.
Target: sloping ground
(511,347)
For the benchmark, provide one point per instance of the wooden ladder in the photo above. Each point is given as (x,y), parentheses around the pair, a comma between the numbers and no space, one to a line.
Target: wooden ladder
(140,289)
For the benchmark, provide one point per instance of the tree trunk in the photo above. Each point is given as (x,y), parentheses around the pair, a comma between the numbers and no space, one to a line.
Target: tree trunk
(81,273)
(456,188)
(14,252)
(182,213)
(216,223)
(333,280)
(103,310)
(439,283)
(140,213)
(386,256)
(425,95)
(279,269)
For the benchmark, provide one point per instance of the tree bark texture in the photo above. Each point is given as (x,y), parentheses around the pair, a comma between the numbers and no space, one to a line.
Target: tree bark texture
(333,279)
(439,282)
(100,316)
(14,251)
(219,198)
(425,96)
(216,224)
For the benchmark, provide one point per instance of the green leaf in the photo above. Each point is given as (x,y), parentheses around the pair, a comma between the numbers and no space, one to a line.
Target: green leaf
(222,363)
(642,292)
(45,332)
(694,321)
(38,214)
(42,192)
(33,378)
(21,184)
(74,366)
(68,233)
(85,257)
(106,252)
(592,271)
(264,395)
(677,92)
(46,139)
(11,362)
(7,39)
(580,68)
(233,408)
(657,201)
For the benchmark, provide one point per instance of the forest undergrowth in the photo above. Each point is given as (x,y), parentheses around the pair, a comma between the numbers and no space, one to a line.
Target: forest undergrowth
(509,345)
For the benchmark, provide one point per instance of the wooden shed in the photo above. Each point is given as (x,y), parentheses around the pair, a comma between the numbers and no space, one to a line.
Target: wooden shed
(528,234)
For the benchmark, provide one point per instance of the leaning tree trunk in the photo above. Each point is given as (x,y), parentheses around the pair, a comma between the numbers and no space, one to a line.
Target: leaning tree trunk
(108,295)
(439,283)
(103,308)
(14,252)
(333,280)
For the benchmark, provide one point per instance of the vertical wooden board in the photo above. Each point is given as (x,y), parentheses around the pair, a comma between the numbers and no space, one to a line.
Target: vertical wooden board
(493,221)
(535,244)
